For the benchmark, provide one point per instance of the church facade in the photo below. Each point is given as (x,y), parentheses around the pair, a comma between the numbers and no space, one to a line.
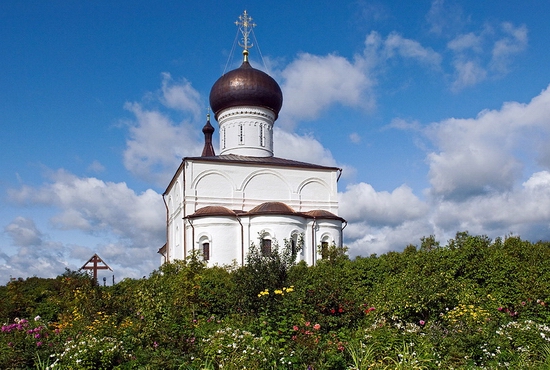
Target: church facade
(220,204)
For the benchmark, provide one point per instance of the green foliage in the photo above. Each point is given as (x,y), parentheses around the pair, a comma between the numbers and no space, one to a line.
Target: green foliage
(472,303)
(264,271)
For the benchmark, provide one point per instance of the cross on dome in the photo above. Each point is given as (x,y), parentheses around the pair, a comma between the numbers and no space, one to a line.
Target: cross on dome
(245,25)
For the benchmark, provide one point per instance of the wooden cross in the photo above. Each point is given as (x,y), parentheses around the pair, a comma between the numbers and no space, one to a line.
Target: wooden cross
(95,263)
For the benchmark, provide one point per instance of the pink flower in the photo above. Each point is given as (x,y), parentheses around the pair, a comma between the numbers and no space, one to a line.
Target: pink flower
(422,322)
(295,328)
(316,326)
(38,344)
(308,323)
(500,308)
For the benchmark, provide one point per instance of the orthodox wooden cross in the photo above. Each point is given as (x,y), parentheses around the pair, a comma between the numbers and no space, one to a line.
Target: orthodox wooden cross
(95,263)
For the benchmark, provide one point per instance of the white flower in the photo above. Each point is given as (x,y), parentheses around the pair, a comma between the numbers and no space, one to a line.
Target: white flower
(37,317)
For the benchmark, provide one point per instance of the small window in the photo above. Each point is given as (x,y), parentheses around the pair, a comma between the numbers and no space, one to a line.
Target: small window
(324,250)
(262,136)
(206,251)
(223,137)
(266,247)
(241,134)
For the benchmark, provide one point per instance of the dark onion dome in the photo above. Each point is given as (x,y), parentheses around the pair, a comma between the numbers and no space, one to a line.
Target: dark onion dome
(246,86)
(272,207)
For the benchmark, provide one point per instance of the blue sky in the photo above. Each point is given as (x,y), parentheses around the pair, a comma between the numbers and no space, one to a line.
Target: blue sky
(438,112)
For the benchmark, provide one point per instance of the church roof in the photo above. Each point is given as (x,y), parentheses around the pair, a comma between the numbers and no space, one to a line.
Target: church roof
(267,208)
(273,161)
(213,211)
(272,207)
(319,213)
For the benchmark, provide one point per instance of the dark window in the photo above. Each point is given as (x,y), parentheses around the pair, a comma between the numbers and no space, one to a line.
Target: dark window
(293,245)
(206,251)
(241,134)
(324,250)
(266,247)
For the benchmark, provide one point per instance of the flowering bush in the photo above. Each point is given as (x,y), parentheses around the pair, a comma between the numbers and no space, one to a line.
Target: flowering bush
(23,340)
(473,304)
(89,352)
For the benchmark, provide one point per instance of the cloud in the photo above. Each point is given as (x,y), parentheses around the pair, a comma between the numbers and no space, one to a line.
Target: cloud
(445,17)
(401,124)
(487,153)
(410,49)
(487,176)
(96,167)
(125,228)
(361,203)
(468,73)
(524,211)
(355,138)
(156,142)
(35,254)
(378,50)
(469,41)
(23,232)
(488,53)
(181,96)
(94,206)
(312,83)
(514,41)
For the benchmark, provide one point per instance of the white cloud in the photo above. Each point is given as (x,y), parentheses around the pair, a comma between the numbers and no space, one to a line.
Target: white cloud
(445,17)
(301,148)
(378,50)
(514,42)
(35,254)
(361,203)
(487,153)
(156,142)
(468,73)
(23,232)
(355,138)
(103,210)
(411,49)
(96,167)
(482,181)
(181,96)
(94,206)
(487,53)
(469,41)
(312,83)
(401,124)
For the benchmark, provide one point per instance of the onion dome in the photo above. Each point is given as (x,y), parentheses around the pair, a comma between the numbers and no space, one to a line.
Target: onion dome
(272,207)
(208,130)
(246,86)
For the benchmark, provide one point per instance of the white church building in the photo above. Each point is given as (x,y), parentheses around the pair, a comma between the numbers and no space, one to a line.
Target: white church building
(220,204)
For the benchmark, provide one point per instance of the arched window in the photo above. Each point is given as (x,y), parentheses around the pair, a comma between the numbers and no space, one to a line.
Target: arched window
(205,251)
(265,245)
(324,246)
(205,248)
